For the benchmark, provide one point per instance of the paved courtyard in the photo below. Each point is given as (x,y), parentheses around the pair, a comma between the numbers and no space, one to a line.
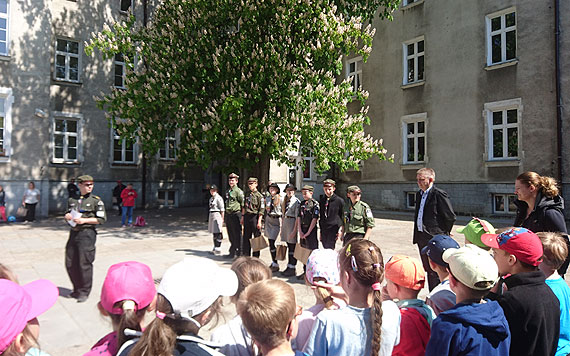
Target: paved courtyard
(37,251)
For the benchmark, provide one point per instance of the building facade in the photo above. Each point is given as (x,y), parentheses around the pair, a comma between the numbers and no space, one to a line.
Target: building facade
(50,127)
(467,88)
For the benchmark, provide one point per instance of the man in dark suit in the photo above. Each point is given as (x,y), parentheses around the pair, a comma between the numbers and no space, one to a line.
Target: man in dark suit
(434,216)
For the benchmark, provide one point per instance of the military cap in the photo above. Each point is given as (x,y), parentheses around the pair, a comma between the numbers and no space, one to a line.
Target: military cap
(290,186)
(353,188)
(274,185)
(329,181)
(84,178)
(308,187)
(252,179)
(233,175)
(213,186)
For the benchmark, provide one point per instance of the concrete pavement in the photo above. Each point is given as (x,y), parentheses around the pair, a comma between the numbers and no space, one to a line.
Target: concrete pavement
(37,251)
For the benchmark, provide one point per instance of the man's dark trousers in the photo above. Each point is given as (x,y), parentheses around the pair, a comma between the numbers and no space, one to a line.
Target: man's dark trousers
(234,231)
(328,236)
(79,257)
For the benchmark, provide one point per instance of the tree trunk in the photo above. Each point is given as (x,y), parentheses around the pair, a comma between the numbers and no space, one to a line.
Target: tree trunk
(261,172)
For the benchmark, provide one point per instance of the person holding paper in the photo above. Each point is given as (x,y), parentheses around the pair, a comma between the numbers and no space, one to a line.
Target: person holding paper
(83,214)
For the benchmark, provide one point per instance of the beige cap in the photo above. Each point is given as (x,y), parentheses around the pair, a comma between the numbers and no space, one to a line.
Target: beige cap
(472,266)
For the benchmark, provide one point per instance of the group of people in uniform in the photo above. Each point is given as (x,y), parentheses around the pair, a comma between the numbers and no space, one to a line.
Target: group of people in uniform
(294,220)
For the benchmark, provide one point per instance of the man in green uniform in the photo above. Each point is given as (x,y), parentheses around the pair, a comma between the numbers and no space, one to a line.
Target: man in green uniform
(358,219)
(234,204)
(82,215)
(253,210)
(307,222)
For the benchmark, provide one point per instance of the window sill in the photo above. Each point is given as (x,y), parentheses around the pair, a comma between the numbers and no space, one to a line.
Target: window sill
(67,82)
(412,166)
(63,163)
(503,163)
(413,85)
(5,58)
(124,165)
(510,63)
(4,159)
(414,4)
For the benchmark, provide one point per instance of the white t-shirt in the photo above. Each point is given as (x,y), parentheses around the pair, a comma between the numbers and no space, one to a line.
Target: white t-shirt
(31,196)
(234,338)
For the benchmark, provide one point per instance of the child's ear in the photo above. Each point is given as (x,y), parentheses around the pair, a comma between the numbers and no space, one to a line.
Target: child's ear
(102,310)
(512,259)
(346,277)
(20,344)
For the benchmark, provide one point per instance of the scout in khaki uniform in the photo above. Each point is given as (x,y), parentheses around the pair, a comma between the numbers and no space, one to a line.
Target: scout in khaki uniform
(234,205)
(83,214)
(307,222)
(358,219)
(253,210)
(289,228)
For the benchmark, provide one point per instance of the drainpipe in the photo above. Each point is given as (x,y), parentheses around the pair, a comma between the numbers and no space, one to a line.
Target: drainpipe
(558,96)
(144,161)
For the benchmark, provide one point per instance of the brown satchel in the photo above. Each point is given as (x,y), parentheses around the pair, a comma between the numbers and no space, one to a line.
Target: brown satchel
(258,243)
(21,212)
(302,253)
(281,253)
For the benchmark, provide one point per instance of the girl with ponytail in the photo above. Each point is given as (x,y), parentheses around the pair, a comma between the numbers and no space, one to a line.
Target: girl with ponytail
(540,208)
(367,325)
(127,294)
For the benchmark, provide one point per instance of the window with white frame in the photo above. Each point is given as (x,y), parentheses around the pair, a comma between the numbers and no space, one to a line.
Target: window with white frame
(66,140)
(123,151)
(414,60)
(120,71)
(168,150)
(167,198)
(503,123)
(6,100)
(414,129)
(354,72)
(504,204)
(408,2)
(410,200)
(67,60)
(501,36)
(126,5)
(4,26)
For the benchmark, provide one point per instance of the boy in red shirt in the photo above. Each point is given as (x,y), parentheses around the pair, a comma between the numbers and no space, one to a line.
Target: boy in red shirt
(128,195)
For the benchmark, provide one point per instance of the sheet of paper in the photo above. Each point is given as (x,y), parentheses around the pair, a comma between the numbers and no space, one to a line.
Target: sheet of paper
(74,215)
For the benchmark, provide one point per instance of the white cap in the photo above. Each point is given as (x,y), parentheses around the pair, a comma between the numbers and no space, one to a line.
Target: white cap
(194,284)
(472,266)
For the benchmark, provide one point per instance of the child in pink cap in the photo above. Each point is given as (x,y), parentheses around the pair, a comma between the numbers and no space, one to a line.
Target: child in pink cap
(20,306)
(128,292)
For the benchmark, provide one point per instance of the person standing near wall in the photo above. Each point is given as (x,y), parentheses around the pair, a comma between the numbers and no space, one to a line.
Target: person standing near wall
(234,204)
(30,200)
(3,204)
(80,247)
(332,209)
(128,196)
(433,216)
(72,189)
(117,200)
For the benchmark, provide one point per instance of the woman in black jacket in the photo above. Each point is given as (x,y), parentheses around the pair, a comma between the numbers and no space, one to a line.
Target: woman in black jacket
(540,208)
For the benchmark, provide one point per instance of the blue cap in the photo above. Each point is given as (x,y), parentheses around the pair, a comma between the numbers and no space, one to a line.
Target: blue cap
(437,246)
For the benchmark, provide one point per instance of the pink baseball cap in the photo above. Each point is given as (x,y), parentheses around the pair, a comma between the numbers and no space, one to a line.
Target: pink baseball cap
(20,304)
(518,241)
(127,281)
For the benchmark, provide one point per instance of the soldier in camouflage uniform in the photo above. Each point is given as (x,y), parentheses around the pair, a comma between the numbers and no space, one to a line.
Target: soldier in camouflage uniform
(253,211)
(358,218)
(80,248)
(234,204)
(307,222)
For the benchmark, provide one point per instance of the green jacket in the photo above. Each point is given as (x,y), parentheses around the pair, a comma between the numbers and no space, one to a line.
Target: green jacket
(90,206)
(357,218)
(234,200)
(255,203)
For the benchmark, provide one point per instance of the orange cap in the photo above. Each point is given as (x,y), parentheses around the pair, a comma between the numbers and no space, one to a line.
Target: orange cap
(406,271)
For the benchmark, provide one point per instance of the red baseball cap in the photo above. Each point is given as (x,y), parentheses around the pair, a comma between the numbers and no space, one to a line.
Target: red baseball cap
(20,304)
(127,281)
(518,241)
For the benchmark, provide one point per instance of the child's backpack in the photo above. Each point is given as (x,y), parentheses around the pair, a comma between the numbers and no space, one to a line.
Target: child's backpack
(139,221)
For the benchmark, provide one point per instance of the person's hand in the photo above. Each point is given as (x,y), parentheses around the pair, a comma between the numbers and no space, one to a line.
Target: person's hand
(259,226)
(292,236)
(67,216)
(336,291)
(79,221)
(303,236)
(241,221)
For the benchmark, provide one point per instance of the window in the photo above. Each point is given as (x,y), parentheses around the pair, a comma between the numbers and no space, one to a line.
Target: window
(123,151)
(120,71)
(501,36)
(414,138)
(307,156)
(503,120)
(67,60)
(66,137)
(413,61)
(126,5)
(6,100)
(167,198)
(4,26)
(354,72)
(168,151)
(410,200)
(504,204)
(409,2)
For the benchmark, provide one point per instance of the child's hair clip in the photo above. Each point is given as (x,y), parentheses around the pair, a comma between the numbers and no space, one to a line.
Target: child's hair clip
(348,250)
(371,248)
(376,265)
(353,263)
